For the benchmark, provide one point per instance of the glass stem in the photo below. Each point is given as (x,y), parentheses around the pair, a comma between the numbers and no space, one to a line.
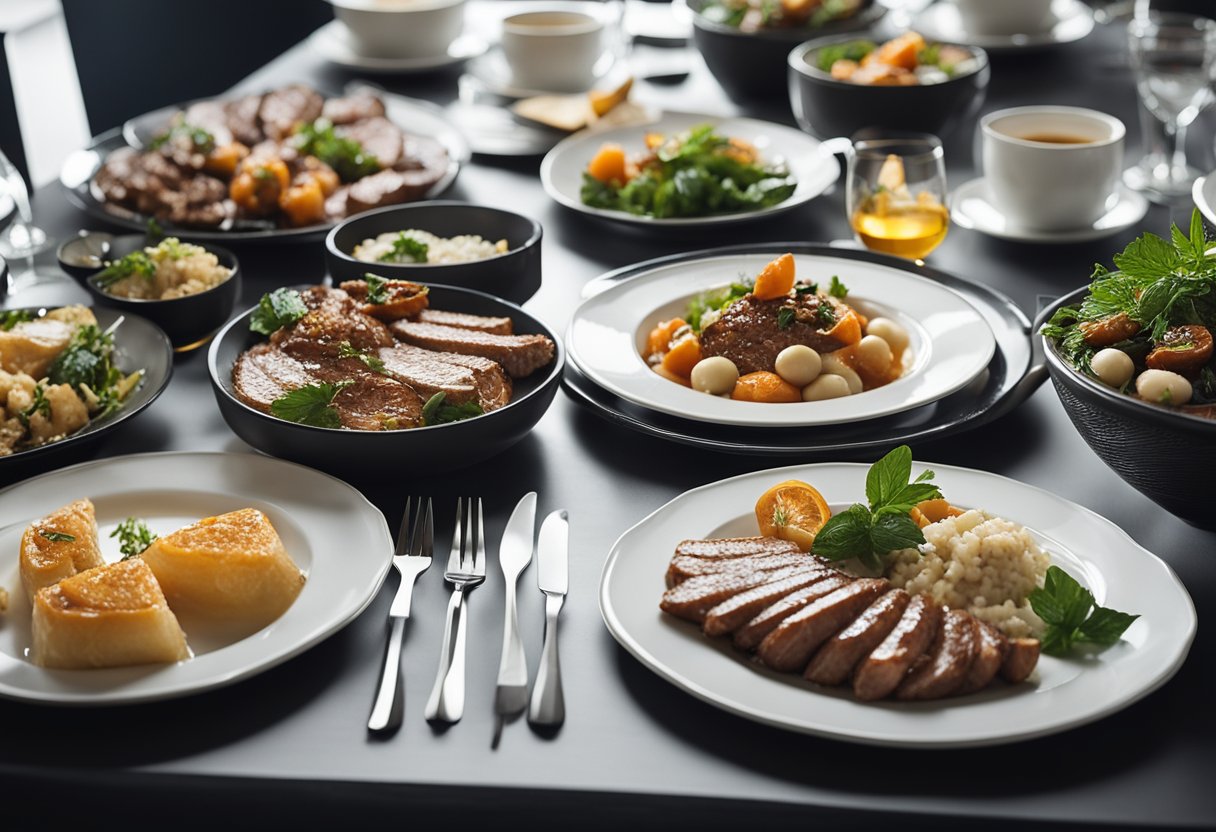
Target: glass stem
(1177,157)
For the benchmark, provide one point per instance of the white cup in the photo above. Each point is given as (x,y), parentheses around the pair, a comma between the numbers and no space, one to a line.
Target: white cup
(1004,17)
(555,51)
(1042,183)
(401,28)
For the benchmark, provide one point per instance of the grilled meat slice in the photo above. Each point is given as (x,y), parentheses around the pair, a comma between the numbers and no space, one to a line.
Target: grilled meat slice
(333,319)
(211,116)
(153,184)
(374,402)
(402,298)
(750,335)
(880,673)
(835,660)
(734,547)
(749,636)
(1020,660)
(734,612)
(379,137)
(263,373)
(242,119)
(990,648)
(285,109)
(387,187)
(352,108)
(695,597)
(520,355)
(461,320)
(683,567)
(947,662)
(491,387)
(792,643)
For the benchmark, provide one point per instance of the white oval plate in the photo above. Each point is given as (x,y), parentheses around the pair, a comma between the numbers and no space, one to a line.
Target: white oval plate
(951,343)
(338,538)
(1061,693)
(814,167)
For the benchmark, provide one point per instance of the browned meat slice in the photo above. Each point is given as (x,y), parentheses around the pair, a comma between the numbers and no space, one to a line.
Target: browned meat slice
(402,298)
(243,119)
(422,153)
(792,643)
(332,320)
(461,320)
(264,373)
(749,334)
(837,658)
(1020,660)
(947,662)
(733,613)
(378,137)
(882,671)
(520,355)
(211,116)
(683,567)
(753,632)
(491,386)
(153,184)
(697,596)
(284,109)
(374,402)
(734,547)
(990,648)
(429,376)
(352,108)
(388,187)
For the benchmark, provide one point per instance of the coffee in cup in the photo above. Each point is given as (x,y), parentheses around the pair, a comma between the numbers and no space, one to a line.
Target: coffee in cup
(554,51)
(1052,168)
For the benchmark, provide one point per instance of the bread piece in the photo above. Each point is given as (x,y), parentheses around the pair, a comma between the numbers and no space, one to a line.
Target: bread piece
(109,616)
(231,567)
(48,555)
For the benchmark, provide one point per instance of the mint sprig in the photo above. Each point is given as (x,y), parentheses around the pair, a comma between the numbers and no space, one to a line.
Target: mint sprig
(1072,616)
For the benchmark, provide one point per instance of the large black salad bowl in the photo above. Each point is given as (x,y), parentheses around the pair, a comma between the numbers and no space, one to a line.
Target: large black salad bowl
(1166,455)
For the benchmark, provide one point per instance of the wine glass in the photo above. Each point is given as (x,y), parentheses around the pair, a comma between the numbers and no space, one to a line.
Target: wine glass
(896,192)
(22,238)
(1174,57)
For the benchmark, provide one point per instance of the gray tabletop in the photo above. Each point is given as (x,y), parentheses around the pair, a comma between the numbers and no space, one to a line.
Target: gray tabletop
(290,743)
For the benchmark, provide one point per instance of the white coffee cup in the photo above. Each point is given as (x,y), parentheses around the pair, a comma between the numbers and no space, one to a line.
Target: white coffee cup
(401,28)
(1052,168)
(1004,17)
(555,51)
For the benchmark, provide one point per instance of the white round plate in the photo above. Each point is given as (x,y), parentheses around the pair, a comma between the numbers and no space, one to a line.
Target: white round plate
(1203,192)
(338,538)
(813,166)
(333,42)
(951,343)
(1073,20)
(972,208)
(1060,694)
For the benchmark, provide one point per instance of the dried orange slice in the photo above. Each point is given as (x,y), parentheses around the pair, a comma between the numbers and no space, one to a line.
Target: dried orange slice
(793,511)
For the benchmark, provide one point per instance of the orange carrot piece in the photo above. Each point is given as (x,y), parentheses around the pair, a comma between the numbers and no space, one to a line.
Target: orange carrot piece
(776,279)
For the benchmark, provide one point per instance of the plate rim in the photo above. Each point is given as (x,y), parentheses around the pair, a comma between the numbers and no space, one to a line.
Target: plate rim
(1009,43)
(1079,235)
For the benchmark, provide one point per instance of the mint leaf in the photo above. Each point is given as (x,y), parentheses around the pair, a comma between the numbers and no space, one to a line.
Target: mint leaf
(1148,256)
(277,309)
(888,476)
(845,535)
(310,405)
(1105,626)
(894,531)
(1064,605)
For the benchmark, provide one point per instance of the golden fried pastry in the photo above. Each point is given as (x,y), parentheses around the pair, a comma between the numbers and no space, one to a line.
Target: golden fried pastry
(58,546)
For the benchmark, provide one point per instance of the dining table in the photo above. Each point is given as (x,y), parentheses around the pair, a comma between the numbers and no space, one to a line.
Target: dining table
(289,747)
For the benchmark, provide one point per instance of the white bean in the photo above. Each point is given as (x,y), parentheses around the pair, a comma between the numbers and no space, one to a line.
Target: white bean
(831,364)
(1163,387)
(886,329)
(714,375)
(874,353)
(825,387)
(1112,367)
(799,365)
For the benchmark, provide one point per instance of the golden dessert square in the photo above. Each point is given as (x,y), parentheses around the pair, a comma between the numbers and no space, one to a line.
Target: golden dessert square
(112,615)
(232,566)
(58,546)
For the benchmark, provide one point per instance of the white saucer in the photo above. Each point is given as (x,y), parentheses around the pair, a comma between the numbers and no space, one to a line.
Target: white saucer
(972,209)
(334,43)
(941,22)
(494,73)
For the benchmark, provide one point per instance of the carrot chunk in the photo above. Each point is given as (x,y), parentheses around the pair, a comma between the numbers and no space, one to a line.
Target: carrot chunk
(608,165)
(776,279)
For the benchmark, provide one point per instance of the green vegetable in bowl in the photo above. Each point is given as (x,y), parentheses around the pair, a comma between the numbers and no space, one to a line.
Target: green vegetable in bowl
(753,15)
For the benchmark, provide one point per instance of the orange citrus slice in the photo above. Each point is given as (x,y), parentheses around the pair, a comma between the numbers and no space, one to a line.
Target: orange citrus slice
(793,511)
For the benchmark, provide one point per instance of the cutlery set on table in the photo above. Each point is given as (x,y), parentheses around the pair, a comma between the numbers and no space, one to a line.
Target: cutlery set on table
(465,570)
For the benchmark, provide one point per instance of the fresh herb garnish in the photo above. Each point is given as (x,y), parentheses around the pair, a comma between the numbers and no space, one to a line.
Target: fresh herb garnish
(868,533)
(11,317)
(837,289)
(826,314)
(201,140)
(57,537)
(806,288)
(135,263)
(377,289)
(346,156)
(345,350)
(405,250)
(88,361)
(854,50)
(39,404)
(154,232)
(715,300)
(277,309)
(437,412)
(134,536)
(785,317)
(1072,616)
(311,405)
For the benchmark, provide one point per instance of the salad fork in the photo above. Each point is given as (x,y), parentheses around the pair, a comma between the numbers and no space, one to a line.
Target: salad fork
(466,569)
(409,562)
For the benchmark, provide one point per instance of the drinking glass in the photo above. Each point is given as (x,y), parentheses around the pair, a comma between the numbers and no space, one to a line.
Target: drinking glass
(1174,57)
(22,238)
(896,192)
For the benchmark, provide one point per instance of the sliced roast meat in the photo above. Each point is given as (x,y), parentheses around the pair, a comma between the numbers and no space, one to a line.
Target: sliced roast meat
(264,373)
(493,384)
(285,109)
(378,137)
(374,402)
(388,187)
(520,355)
(880,673)
(736,611)
(990,649)
(695,597)
(751,335)
(352,108)
(791,644)
(835,660)
(683,567)
(461,320)
(422,153)
(749,636)
(1020,660)
(332,320)
(211,116)
(429,376)
(242,119)
(734,547)
(947,661)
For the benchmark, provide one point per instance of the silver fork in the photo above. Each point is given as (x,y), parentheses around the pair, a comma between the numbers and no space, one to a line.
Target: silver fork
(466,569)
(411,558)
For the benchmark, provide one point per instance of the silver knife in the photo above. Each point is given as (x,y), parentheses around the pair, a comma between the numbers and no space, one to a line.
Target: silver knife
(548,707)
(514,555)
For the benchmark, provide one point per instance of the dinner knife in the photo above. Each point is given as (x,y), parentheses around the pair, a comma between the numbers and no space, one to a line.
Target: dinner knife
(514,555)
(548,706)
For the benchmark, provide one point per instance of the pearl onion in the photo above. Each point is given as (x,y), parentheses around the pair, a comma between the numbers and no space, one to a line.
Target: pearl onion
(1112,367)
(834,366)
(825,387)
(799,365)
(874,353)
(714,375)
(886,329)
(1163,387)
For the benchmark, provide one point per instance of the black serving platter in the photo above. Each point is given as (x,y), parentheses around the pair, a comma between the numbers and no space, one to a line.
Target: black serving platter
(1016,371)
(139,344)
(361,454)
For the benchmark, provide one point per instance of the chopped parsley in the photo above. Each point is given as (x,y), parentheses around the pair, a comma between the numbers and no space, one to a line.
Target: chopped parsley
(405,250)
(201,140)
(136,263)
(785,317)
(377,289)
(88,361)
(40,404)
(716,300)
(346,156)
(311,405)
(345,350)
(134,537)
(277,309)
(56,537)
(837,289)
(11,317)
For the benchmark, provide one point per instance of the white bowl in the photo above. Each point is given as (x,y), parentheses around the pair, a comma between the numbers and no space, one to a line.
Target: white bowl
(401,28)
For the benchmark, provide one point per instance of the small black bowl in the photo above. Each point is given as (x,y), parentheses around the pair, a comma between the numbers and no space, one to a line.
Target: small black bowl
(188,321)
(513,276)
(827,108)
(356,454)
(1166,455)
(751,65)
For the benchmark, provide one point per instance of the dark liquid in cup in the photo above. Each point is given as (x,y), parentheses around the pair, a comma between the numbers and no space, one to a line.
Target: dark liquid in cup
(1056,138)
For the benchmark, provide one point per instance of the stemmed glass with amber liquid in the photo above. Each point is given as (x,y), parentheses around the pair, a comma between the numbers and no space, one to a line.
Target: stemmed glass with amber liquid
(897,193)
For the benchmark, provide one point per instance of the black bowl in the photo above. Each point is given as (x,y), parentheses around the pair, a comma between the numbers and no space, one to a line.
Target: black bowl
(188,321)
(514,276)
(827,108)
(356,454)
(751,65)
(1166,455)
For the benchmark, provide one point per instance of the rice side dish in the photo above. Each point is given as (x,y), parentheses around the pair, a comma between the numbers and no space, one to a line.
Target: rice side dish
(983,564)
(172,269)
(464,248)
